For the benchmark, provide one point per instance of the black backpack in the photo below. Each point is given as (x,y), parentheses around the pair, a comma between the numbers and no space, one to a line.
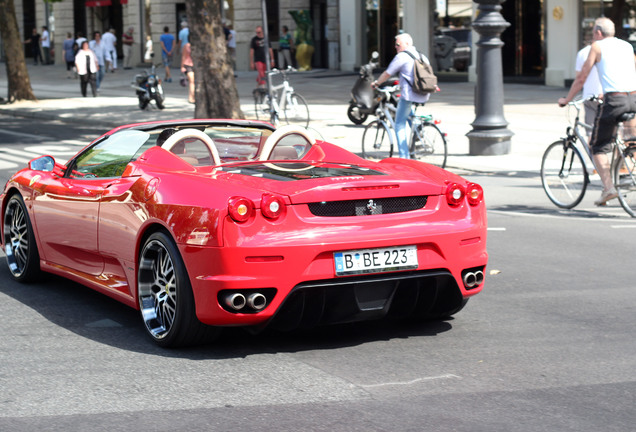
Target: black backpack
(424,80)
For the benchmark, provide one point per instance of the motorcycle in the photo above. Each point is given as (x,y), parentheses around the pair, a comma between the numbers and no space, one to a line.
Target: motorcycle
(148,88)
(364,100)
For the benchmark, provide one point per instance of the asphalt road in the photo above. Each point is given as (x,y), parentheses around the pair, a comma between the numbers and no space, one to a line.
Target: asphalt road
(547,346)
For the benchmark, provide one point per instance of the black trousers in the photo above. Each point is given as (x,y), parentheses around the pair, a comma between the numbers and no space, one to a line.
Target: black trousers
(89,78)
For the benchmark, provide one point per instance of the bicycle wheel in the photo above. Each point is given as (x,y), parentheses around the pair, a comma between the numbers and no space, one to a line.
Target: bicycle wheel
(296,110)
(624,176)
(376,141)
(563,174)
(261,104)
(429,145)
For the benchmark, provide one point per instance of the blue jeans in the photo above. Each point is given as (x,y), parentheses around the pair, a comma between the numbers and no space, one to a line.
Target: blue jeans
(401,118)
(100,75)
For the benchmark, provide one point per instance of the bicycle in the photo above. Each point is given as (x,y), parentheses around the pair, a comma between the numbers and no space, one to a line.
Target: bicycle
(564,172)
(285,102)
(426,141)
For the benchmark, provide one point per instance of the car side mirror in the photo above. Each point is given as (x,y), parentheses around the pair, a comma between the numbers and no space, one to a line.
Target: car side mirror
(43,163)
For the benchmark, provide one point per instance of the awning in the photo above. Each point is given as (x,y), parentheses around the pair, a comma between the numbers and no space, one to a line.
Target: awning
(98,3)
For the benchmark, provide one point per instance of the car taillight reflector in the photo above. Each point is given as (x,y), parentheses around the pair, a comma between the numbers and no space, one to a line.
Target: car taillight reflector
(240,208)
(272,206)
(474,194)
(455,194)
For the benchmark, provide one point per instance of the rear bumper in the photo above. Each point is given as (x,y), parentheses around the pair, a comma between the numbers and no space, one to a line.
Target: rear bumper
(300,281)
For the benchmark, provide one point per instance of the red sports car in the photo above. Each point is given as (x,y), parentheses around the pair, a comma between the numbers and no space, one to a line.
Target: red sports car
(203,224)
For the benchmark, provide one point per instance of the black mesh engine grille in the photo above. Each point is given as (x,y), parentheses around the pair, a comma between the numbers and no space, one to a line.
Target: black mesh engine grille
(367,207)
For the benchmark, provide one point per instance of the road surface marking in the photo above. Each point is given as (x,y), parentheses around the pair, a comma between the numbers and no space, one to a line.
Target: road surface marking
(411,382)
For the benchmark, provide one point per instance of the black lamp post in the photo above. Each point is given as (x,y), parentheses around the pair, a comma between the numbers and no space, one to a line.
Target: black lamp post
(490,135)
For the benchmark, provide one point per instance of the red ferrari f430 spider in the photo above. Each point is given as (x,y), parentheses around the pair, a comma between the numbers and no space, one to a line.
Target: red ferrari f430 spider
(203,224)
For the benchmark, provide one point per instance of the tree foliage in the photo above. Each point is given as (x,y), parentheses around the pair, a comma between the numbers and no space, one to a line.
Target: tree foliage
(215,87)
(19,83)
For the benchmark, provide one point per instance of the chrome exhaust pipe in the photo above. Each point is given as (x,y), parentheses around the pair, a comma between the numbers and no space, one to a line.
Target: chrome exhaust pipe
(479,277)
(235,301)
(256,301)
(470,280)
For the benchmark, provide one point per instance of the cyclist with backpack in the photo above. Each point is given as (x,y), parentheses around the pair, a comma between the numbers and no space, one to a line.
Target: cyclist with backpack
(412,89)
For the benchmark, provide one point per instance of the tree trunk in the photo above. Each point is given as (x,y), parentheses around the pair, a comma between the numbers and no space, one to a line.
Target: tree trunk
(19,83)
(215,87)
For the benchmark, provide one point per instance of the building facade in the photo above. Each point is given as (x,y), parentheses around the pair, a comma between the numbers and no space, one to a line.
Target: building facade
(540,44)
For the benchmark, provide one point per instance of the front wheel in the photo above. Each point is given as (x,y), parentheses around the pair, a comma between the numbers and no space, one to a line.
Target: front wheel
(21,249)
(355,115)
(165,296)
(428,144)
(376,141)
(296,110)
(159,98)
(624,177)
(563,174)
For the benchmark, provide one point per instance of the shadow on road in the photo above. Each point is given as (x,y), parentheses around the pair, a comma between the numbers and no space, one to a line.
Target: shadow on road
(94,316)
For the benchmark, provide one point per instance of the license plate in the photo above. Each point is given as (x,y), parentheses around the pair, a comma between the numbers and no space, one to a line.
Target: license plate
(375,260)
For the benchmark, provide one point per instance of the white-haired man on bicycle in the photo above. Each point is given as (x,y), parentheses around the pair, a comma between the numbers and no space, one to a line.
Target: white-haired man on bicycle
(614,60)
(402,65)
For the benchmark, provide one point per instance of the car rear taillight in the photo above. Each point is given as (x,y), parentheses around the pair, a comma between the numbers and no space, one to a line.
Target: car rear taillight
(272,206)
(474,194)
(455,194)
(240,208)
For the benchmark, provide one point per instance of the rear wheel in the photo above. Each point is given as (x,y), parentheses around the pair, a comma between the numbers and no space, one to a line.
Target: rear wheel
(563,174)
(165,296)
(429,145)
(355,115)
(624,176)
(21,249)
(261,103)
(296,110)
(376,141)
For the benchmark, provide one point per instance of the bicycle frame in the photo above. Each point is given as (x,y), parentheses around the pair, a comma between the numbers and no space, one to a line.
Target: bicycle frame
(279,94)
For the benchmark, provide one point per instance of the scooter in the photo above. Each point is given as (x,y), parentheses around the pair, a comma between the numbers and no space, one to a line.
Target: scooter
(148,88)
(363,97)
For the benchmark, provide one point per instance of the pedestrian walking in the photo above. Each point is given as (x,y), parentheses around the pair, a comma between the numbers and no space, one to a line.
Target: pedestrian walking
(97,46)
(69,55)
(187,68)
(87,67)
(149,53)
(34,43)
(285,48)
(128,40)
(46,45)
(110,51)
(257,56)
(167,45)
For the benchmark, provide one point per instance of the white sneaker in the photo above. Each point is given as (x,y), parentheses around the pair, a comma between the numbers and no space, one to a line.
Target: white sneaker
(606,196)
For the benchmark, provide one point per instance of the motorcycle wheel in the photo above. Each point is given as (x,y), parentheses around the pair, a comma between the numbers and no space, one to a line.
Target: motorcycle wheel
(159,97)
(355,115)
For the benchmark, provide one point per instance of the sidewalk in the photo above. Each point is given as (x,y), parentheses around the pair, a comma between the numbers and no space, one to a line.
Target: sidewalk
(531,110)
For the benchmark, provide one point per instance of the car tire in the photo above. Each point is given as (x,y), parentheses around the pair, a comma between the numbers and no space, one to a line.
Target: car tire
(21,248)
(165,296)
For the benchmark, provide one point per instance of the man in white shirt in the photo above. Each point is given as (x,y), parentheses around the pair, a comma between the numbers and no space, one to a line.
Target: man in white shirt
(614,60)
(97,46)
(110,52)
(46,45)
